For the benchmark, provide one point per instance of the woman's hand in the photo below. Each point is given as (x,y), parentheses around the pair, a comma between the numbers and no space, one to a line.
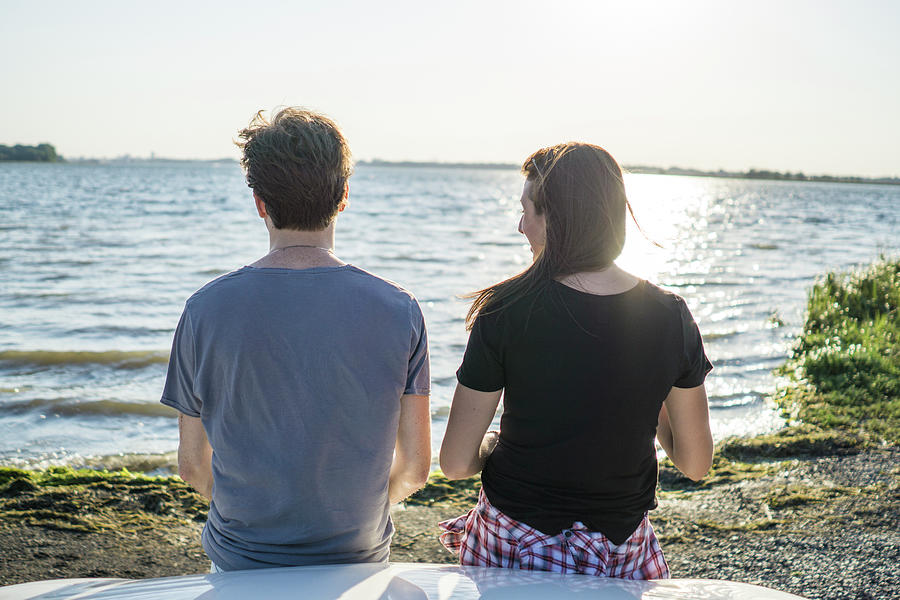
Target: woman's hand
(488,443)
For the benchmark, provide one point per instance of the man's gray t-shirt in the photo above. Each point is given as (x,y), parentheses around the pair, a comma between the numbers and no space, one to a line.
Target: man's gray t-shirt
(297,376)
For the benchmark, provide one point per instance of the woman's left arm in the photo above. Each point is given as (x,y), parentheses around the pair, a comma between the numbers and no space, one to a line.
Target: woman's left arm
(467,442)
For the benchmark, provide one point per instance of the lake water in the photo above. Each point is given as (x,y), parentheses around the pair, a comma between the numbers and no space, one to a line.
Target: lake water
(96,262)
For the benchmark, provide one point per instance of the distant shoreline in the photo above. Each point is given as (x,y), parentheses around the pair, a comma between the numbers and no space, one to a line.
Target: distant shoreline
(646,170)
(23,153)
(762,175)
(131,161)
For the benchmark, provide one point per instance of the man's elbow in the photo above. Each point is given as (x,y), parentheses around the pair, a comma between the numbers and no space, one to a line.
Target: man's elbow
(414,472)
(187,472)
(420,475)
(191,474)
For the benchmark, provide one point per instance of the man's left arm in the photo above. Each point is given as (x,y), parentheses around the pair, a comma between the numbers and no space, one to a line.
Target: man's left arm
(194,455)
(412,453)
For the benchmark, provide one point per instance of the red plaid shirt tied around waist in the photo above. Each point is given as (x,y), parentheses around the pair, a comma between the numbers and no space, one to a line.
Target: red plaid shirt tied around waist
(485,537)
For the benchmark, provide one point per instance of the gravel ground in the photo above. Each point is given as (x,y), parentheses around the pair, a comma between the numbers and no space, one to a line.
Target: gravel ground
(819,527)
(823,528)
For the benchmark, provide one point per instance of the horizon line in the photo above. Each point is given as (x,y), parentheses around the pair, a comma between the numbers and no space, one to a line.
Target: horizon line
(751,173)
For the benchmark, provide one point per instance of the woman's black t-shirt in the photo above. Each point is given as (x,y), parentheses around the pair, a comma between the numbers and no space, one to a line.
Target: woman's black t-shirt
(584,378)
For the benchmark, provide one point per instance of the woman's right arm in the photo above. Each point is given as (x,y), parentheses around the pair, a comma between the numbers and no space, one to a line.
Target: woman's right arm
(467,442)
(683,431)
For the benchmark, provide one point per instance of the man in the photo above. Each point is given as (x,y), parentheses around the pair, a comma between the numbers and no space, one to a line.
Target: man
(301,381)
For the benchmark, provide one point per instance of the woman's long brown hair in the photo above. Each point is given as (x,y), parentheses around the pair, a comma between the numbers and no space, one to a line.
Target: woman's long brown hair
(580,191)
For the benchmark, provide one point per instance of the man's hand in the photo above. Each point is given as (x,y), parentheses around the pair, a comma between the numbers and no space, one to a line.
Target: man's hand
(412,454)
(194,455)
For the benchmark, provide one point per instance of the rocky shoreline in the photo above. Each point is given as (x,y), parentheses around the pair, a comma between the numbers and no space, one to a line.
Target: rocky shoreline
(817,525)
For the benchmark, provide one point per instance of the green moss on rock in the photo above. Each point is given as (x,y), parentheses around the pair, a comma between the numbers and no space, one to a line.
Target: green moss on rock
(9,473)
(722,471)
(801,440)
(86,500)
(439,489)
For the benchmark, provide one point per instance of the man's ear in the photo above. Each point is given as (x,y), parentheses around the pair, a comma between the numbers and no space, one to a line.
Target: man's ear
(260,206)
(345,201)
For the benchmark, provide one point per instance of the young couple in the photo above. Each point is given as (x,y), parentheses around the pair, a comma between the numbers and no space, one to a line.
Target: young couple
(302,382)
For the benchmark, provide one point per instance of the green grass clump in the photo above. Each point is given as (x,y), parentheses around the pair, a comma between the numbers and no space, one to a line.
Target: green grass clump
(845,369)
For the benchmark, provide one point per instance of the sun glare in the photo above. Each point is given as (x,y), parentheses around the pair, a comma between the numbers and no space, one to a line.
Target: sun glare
(671,212)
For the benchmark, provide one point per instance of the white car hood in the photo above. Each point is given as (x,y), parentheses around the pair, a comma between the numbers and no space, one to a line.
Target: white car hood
(398,581)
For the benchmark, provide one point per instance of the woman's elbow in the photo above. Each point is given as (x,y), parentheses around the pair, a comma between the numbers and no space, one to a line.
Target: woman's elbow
(698,469)
(449,470)
(453,469)
(696,474)
(453,474)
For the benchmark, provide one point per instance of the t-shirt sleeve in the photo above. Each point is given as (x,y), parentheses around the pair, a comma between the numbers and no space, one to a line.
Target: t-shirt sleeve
(418,374)
(178,391)
(481,367)
(694,365)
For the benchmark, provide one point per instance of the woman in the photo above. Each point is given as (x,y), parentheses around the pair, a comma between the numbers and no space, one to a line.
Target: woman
(593,363)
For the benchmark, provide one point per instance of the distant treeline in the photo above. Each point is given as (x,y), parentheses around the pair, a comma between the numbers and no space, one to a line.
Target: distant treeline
(757,174)
(751,174)
(39,153)
(375,162)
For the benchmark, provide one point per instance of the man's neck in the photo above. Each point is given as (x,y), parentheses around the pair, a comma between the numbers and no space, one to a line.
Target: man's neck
(282,238)
(293,249)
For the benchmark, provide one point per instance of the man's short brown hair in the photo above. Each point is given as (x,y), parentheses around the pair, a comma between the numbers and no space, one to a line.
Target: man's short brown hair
(298,164)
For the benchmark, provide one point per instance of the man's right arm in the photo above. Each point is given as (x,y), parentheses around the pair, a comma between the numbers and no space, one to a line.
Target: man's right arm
(412,453)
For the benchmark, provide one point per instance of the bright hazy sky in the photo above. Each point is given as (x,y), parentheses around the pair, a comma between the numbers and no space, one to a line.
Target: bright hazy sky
(784,85)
